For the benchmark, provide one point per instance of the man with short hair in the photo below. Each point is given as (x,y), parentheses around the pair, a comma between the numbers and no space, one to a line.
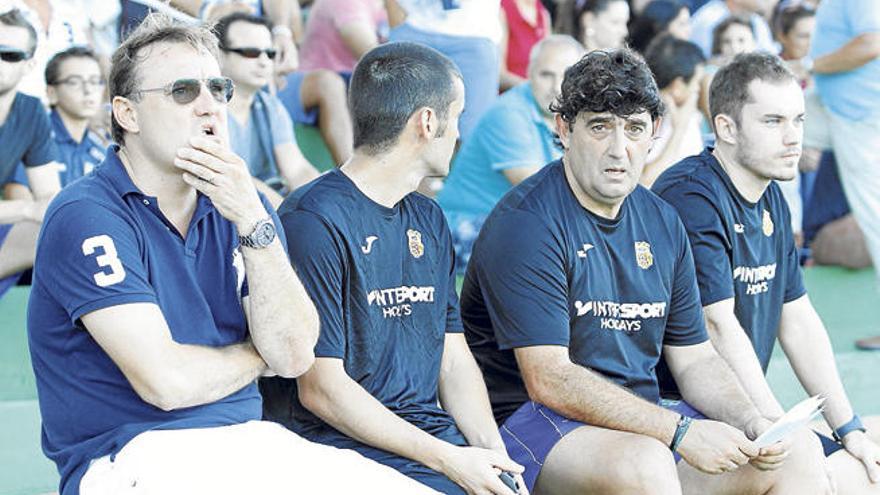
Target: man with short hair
(24,137)
(580,278)
(746,260)
(512,141)
(161,292)
(393,377)
(260,128)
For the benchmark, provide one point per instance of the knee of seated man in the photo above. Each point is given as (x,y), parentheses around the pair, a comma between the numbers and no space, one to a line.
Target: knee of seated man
(643,463)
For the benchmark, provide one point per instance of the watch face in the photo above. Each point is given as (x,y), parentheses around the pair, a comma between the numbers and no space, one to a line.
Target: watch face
(265,233)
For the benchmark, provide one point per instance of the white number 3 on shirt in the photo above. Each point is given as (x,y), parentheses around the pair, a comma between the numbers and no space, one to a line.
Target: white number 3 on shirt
(109,259)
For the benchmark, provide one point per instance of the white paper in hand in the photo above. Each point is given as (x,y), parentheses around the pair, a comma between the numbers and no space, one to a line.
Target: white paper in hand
(797,417)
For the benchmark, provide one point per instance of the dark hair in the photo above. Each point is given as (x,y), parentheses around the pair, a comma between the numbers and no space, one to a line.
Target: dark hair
(653,21)
(390,83)
(722,28)
(670,58)
(156,28)
(221,27)
(786,16)
(616,81)
(16,19)
(581,7)
(729,91)
(53,67)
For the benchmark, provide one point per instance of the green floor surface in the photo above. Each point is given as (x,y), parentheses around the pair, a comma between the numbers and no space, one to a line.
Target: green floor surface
(848,302)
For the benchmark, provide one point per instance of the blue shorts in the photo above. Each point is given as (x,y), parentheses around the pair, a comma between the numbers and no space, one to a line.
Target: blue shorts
(533,430)
(8,282)
(292,101)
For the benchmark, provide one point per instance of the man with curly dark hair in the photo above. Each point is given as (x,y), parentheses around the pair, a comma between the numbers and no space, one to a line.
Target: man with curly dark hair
(594,280)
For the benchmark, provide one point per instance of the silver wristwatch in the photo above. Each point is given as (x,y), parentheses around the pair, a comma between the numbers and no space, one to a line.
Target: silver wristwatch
(262,235)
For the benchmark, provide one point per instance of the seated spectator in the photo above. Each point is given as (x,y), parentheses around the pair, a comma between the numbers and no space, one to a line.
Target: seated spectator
(706,19)
(658,18)
(678,69)
(830,231)
(523,23)
(393,377)
(512,141)
(793,26)
(25,136)
(579,280)
(337,33)
(466,31)
(260,131)
(602,23)
(145,332)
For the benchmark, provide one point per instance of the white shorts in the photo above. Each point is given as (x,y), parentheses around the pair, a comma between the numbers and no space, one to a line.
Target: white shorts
(257,457)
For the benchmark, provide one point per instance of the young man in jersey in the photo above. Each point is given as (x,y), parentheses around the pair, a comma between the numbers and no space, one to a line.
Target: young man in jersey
(746,260)
(161,292)
(578,280)
(24,138)
(378,263)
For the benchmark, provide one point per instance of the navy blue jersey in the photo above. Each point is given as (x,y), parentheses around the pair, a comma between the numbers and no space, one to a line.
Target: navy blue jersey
(104,243)
(742,250)
(382,281)
(546,271)
(25,137)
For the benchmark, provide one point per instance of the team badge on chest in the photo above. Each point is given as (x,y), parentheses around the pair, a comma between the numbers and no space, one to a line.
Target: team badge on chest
(414,239)
(767,224)
(644,256)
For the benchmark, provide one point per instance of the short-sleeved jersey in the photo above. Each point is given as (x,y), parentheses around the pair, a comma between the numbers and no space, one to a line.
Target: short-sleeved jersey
(104,243)
(382,281)
(25,137)
(546,271)
(742,250)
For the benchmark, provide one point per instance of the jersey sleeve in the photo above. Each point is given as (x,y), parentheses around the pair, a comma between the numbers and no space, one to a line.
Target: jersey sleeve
(90,259)
(511,141)
(42,148)
(794,281)
(453,313)
(19,176)
(708,241)
(316,254)
(521,271)
(685,324)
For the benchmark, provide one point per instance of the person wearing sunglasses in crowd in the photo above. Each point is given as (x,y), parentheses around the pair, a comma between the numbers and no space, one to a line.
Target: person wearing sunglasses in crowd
(24,131)
(75,89)
(162,290)
(260,129)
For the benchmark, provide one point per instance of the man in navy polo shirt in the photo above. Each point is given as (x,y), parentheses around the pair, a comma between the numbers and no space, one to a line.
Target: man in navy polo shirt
(24,137)
(161,293)
(378,262)
(578,280)
(746,259)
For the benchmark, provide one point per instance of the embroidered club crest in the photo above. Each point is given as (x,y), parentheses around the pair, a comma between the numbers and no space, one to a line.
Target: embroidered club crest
(644,256)
(414,238)
(767,224)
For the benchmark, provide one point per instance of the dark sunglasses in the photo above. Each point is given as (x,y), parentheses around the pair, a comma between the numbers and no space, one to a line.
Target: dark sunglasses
(13,55)
(185,91)
(247,52)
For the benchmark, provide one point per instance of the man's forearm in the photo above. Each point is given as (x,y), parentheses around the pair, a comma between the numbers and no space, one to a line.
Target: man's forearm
(282,319)
(712,388)
(21,210)
(858,52)
(346,406)
(581,394)
(806,343)
(463,395)
(734,346)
